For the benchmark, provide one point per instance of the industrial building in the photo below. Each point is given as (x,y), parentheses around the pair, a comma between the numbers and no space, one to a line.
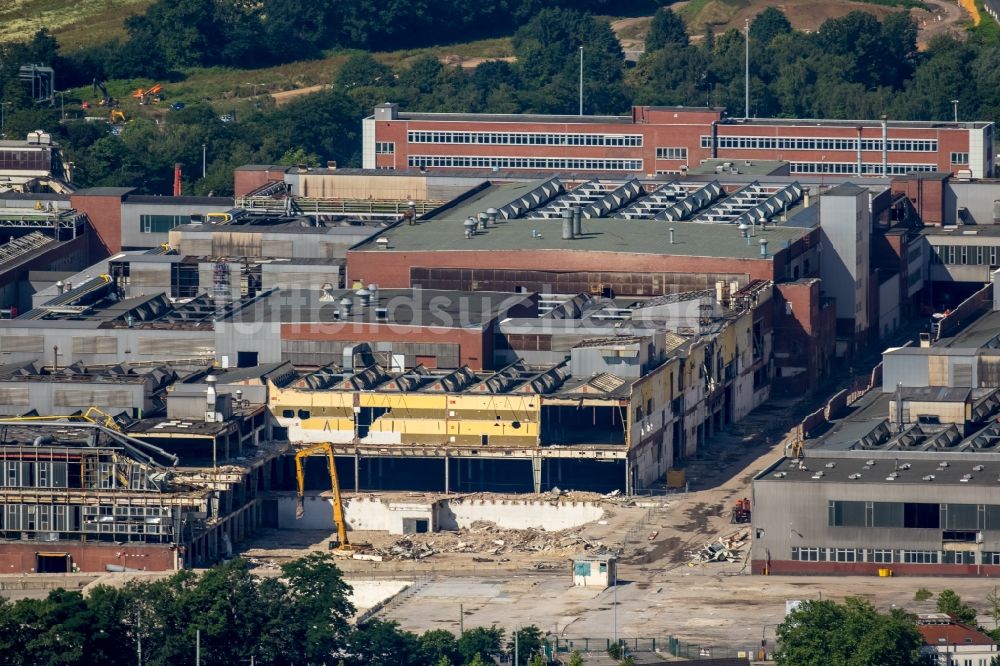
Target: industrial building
(34,164)
(672,140)
(598,421)
(82,490)
(904,478)
(666,236)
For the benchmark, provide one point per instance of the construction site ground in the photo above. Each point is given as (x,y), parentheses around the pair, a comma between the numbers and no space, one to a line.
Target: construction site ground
(510,578)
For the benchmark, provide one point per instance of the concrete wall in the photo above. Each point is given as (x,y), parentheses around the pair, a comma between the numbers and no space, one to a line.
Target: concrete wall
(384,514)
(24,343)
(980,200)
(131,230)
(845,224)
(793,513)
(888,307)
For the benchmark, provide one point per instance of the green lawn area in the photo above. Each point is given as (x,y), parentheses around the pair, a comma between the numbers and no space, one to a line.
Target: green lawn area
(74,22)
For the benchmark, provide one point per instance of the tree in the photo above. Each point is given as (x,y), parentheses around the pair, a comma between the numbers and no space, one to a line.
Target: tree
(850,634)
(529,642)
(380,643)
(362,69)
(769,24)
(993,599)
(666,29)
(949,602)
(548,56)
(575,659)
(437,646)
(481,642)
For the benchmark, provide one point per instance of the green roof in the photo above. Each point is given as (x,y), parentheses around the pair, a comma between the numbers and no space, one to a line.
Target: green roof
(445,231)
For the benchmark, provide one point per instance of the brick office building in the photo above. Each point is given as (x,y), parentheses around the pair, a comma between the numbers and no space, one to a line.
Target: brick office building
(670,140)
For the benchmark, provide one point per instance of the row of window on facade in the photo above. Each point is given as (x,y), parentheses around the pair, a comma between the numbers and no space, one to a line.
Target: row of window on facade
(74,518)
(570,163)
(892,556)
(524,138)
(820,143)
(55,474)
(917,515)
(975,255)
(159,224)
(851,168)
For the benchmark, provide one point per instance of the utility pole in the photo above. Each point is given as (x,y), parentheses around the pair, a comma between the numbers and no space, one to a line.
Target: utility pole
(516,660)
(197,647)
(581,80)
(2,106)
(614,603)
(203,153)
(746,82)
(138,637)
(461,620)
(954,104)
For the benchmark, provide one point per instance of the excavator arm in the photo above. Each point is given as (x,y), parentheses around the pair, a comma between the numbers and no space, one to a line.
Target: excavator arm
(338,507)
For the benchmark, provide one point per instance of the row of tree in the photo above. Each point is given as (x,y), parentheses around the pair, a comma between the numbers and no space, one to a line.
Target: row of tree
(231,615)
(853,67)
(175,34)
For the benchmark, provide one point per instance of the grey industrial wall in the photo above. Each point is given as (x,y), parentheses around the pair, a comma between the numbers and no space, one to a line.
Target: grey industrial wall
(790,514)
(132,236)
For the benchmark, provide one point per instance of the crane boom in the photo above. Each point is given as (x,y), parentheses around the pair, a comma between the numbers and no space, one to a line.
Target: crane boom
(338,507)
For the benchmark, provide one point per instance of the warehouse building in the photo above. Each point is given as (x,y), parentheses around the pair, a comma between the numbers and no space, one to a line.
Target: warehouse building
(600,420)
(670,140)
(902,480)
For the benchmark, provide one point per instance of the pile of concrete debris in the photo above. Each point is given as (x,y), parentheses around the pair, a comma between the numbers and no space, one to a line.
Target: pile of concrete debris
(728,548)
(485,539)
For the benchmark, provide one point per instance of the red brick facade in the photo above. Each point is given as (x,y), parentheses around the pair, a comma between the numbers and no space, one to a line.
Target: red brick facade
(393,269)
(475,346)
(248,179)
(804,336)
(673,137)
(105,215)
(791,567)
(22,557)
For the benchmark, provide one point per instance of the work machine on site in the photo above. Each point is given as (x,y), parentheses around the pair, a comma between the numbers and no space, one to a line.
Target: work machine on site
(340,544)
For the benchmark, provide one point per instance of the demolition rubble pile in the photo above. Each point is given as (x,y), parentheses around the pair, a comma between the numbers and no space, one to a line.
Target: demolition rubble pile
(486,541)
(728,548)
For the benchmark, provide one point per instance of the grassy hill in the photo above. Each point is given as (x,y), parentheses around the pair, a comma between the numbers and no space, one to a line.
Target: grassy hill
(74,22)
(226,89)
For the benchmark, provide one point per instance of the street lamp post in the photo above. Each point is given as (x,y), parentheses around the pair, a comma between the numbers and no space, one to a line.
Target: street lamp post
(2,105)
(954,104)
(203,154)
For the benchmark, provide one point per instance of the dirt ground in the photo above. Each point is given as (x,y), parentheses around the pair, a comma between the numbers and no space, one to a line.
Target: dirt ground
(944,17)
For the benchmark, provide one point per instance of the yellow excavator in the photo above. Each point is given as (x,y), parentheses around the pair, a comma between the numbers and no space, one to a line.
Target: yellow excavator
(92,415)
(341,544)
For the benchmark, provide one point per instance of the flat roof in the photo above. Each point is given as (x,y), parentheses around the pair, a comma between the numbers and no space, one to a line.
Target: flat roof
(975,335)
(897,470)
(407,307)
(755,168)
(726,120)
(179,201)
(103,191)
(445,231)
(829,122)
(961,231)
